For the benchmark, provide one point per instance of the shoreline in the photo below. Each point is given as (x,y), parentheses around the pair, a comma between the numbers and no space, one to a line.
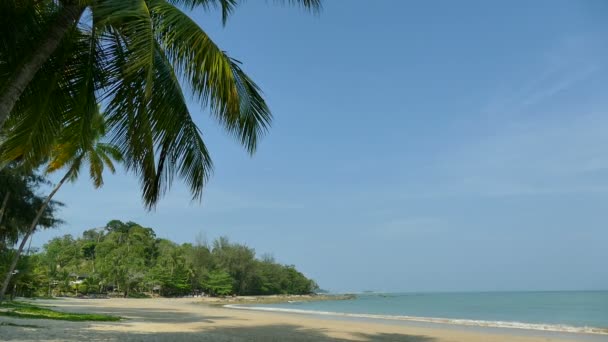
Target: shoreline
(272,299)
(456,322)
(185,319)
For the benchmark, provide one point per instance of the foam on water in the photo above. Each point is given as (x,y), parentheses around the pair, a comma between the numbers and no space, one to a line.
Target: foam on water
(466,322)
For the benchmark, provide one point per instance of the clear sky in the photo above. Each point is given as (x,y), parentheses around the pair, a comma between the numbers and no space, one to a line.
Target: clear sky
(417,146)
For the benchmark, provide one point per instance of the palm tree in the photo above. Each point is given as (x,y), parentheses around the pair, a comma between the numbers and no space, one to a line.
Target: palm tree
(132,56)
(71,153)
(20,202)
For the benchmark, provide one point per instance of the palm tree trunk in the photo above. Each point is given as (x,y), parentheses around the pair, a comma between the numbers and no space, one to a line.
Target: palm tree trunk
(29,233)
(2,210)
(23,75)
(4,203)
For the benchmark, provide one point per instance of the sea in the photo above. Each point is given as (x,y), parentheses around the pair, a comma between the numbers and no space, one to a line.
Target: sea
(569,312)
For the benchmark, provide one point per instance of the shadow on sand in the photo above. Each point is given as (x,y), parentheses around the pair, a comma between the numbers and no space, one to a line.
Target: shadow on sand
(276,332)
(156,324)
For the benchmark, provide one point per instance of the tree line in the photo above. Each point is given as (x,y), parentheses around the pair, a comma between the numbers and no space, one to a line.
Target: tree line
(94,83)
(127,259)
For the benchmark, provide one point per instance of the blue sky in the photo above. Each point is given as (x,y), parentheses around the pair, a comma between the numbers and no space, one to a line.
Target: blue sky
(417,146)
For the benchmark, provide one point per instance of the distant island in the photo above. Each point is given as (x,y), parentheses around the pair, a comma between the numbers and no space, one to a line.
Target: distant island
(128,260)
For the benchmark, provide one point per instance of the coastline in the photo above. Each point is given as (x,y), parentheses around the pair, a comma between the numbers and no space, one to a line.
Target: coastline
(273,299)
(433,321)
(185,319)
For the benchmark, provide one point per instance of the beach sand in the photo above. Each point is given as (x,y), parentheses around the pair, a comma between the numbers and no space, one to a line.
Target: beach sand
(187,319)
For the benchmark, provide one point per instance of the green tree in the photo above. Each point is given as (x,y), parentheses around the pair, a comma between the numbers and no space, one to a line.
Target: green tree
(135,56)
(20,202)
(218,283)
(28,280)
(71,152)
(238,261)
(296,282)
(61,257)
(125,255)
(62,252)
(268,277)
(199,262)
(130,259)
(172,271)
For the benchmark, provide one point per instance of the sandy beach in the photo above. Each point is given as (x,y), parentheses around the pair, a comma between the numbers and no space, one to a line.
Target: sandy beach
(189,319)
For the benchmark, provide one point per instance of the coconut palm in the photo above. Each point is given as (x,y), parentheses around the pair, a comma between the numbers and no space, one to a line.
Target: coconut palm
(71,153)
(59,57)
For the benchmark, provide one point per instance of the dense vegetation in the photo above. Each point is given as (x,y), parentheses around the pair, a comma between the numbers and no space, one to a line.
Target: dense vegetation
(72,72)
(21,205)
(126,259)
(61,60)
(19,202)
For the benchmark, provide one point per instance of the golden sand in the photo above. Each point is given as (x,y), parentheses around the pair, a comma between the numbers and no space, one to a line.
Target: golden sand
(187,319)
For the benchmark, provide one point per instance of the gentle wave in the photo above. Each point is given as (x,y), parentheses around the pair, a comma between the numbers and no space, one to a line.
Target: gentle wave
(468,322)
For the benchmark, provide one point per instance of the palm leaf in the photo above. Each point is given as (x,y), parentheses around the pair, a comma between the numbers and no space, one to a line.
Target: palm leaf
(60,101)
(168,127)
(215,79)
(197,60)
(255,116)
(132,60)
(96,166)
(227,7)
(41,112)
(128,121)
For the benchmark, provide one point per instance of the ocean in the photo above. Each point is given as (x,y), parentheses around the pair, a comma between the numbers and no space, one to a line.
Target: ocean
(568,312)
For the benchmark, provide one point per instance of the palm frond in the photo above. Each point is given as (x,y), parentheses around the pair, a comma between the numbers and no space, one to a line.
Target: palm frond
(227,7)
(57,101)
(131,59)
(216,79)
(61,156)
(132,21)
(314,6)
(21,23)
(183,149)
(75,167)
(126,116)
(96,166)
(110,151)
(197,60)
(168,127)
(108,162)
(255,116)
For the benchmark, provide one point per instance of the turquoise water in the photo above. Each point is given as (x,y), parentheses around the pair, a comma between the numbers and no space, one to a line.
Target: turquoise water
(549,311)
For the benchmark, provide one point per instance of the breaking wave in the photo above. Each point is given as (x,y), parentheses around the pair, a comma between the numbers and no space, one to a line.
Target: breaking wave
(467,322)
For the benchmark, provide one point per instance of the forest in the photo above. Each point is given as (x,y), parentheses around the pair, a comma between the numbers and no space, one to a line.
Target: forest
(126,259)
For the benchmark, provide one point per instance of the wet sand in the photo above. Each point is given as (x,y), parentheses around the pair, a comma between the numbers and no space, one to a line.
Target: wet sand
(189,319)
